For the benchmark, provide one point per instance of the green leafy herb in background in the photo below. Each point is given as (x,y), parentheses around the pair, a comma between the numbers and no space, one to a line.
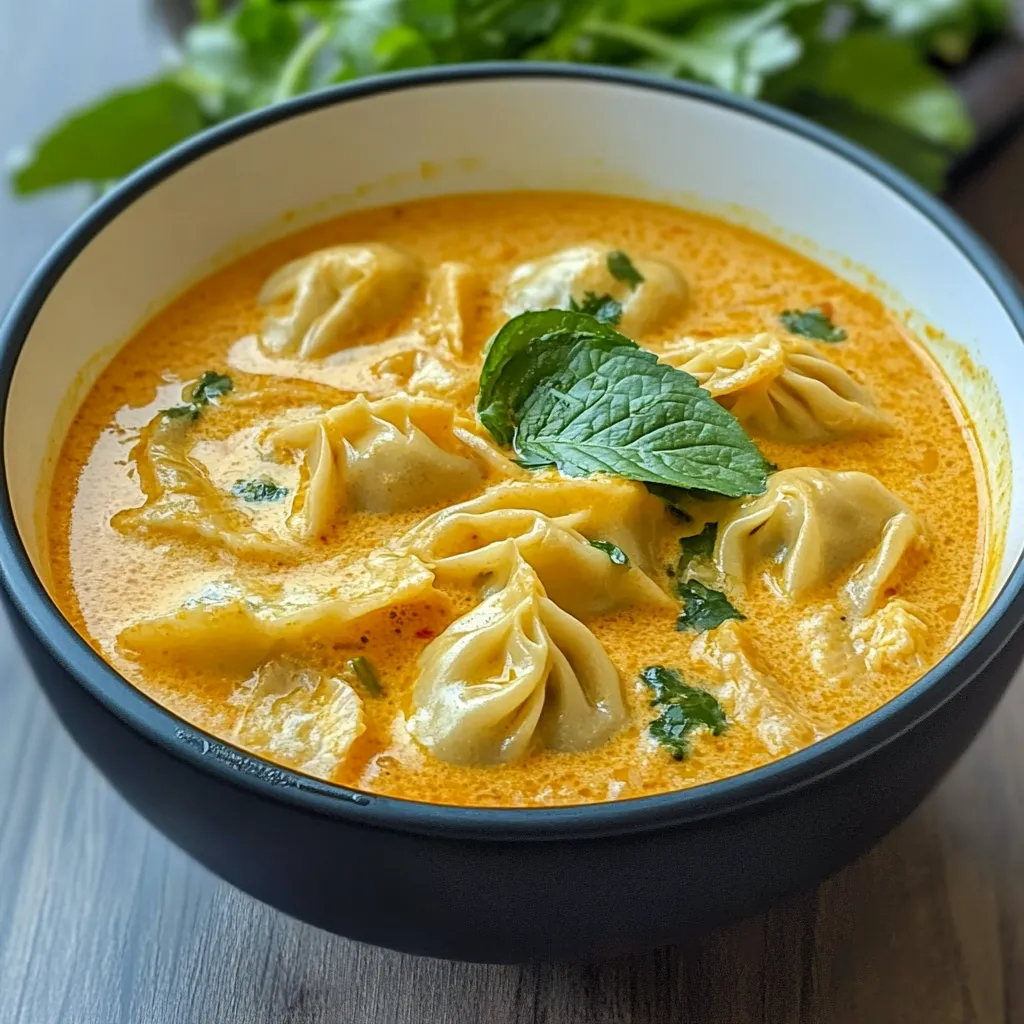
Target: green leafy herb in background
(866,68)
(811,323)
(684,708)
(703,608)
(259,490)
(613,551)
(566,390)
(620,266)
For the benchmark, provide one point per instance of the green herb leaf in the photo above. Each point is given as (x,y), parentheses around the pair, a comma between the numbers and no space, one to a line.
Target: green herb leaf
(684,709)
(701,545)
(362,668)
(673,498)
(178,412)
(600,307)
(613,551)
(703,608)
(566,390)
(811,323)
(108,140)
(258,490)
(210,387)
(621,267)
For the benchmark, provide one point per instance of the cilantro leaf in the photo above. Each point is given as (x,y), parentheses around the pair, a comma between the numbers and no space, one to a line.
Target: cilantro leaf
(613,551)
(703,608)
(601,307)
(569,391)
(812,323)
(258,490)
(621,267)
(684,709)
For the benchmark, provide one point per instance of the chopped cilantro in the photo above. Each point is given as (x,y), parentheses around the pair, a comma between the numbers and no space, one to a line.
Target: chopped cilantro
(703,608)
(684,708)
(621,267)
(362,668)
(209,388)
(600,307)
(261,489)
(814,323)
(613,551)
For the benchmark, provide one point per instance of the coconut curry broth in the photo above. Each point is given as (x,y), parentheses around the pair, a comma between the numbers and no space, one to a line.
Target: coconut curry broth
(107,577)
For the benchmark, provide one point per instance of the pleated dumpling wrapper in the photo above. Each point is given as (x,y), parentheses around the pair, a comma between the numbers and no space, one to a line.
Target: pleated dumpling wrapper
(329,299)
(298,717)
(812,525)
(515,675)
(389,455)
(784,391)
(650,296)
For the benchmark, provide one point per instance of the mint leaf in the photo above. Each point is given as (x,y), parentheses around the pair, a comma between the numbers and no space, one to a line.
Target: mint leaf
(812,323)
(259,490)
(703,608)
(613,551)
(701,545)
(684,709)
(620,266)
(106,141)
(600,307)
(571,392)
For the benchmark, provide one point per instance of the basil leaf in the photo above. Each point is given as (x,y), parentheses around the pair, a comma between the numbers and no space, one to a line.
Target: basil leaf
(811,323)
(600,307)
(620,266)
(613,551)
(259,490)
(703,608)
(571,392)
(684,709)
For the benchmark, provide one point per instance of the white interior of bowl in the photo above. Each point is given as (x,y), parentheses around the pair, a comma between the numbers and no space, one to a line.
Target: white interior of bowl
(541,133)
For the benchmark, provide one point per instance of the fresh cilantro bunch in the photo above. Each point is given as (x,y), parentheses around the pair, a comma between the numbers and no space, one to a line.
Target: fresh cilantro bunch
(866,68)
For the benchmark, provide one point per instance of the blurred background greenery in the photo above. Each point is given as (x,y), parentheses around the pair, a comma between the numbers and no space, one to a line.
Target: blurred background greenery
(876,71)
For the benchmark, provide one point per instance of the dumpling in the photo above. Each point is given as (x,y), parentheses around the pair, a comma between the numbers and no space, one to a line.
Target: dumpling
(750,695)
(465,547)
(225,625)
(298,717)
(453,297)
(333,296)
(182,500)
(389,455)
(568,275)
(894,637)
(514,675)
(782,391)
(812,525)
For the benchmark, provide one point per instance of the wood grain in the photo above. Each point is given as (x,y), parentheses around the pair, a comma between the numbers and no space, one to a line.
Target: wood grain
(103,922)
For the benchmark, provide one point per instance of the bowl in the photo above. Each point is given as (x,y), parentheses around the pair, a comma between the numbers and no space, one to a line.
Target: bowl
(509,884)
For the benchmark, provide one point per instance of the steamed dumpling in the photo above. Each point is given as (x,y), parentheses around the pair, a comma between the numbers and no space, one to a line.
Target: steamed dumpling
(182,500)
(223,624)
(389,455)
(782,391)
(514,675)
(298,717)
(812,525)
(568,275)
(894,637)
(331,297)
(453,297)
(464,546)
(750,695)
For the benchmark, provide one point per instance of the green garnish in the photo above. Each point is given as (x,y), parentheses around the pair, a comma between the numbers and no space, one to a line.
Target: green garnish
(621,267)
(600,307)
(684,708)
(258,490)
(700,545)
(208,389)
(566,390)
(703,608)
(362,668)
(613,551)
(812,323)
(673,498)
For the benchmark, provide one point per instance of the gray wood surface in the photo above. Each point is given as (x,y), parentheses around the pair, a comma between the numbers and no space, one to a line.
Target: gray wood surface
(103,922)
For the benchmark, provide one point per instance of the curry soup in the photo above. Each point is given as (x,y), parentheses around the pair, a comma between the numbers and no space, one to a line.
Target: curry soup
(279,513)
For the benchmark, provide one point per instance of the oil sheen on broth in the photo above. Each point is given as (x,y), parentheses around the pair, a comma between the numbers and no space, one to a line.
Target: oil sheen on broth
(234,558)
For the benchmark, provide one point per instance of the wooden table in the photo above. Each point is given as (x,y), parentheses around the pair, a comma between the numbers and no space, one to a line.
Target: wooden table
(102,921)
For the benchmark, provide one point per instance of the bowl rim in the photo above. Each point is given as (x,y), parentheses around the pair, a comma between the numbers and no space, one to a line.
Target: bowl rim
(238,767)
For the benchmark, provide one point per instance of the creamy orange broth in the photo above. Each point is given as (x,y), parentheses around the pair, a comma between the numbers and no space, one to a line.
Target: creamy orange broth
(739,281)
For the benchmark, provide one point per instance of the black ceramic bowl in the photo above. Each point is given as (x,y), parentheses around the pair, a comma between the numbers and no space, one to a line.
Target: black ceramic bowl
(488,884)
